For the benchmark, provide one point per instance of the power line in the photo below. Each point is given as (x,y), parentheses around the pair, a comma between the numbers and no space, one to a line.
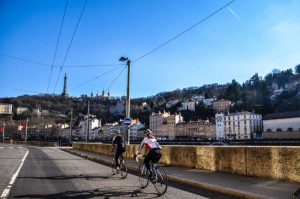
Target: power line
(116,78)
(95,78)
(183,32)
(56,66)
(90,66)
(70,44)
(61,25)
(25,60)
(19,89)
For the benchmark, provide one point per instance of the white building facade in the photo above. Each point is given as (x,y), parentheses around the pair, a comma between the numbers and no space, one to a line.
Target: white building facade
(282,125)
(94,123)
(189,105)
(6,109)
(21,109)
(238,126)
(220,126)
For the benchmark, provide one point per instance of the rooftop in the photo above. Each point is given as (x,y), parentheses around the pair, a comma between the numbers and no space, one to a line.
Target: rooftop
(282,115)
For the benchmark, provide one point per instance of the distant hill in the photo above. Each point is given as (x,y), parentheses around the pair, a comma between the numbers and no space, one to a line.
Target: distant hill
(277,91)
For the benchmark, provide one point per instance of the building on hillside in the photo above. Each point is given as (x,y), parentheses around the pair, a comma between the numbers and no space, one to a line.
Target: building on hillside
(195,129)
(283,125)
(37,111)
(108,130)
(118,109)
(6,109)
(171,103)
(189,105)
(84,125)
(240,125)
(157,120)
(208,101)
(199,98)
(21,109)
(221,105)
(137,130)
(45,113)
(170,131)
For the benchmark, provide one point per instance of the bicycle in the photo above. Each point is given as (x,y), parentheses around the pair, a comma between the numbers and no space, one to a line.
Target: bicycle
(297,194)
(123,166)
(159,179)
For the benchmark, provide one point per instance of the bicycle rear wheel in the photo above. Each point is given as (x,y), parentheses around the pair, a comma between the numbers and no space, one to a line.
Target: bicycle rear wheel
(161,182)
(143,176)
(123,168)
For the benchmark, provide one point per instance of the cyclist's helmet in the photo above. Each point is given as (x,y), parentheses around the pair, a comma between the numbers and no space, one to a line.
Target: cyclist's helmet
(117,132)
(147,132)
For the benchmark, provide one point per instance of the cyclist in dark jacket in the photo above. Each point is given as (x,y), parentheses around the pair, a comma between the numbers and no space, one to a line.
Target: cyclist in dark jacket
(118,145)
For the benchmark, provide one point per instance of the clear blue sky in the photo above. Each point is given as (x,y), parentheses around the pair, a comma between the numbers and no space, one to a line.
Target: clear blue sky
(247,37)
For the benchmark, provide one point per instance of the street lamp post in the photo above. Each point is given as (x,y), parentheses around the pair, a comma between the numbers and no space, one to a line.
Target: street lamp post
(128,95)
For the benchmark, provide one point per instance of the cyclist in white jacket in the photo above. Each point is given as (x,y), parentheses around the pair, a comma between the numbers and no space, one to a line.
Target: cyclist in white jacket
(155,150)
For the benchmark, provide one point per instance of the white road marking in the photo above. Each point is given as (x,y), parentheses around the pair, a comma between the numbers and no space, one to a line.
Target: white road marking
(1,147)
(13,179)
(10,147)
(20,147)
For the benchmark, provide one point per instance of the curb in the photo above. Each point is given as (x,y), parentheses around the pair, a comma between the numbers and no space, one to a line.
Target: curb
(204,186)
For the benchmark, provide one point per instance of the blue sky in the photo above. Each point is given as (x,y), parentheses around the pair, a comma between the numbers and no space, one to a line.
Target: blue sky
(247,37)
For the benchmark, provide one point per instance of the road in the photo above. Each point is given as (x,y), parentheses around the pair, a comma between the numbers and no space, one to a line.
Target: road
(52,173)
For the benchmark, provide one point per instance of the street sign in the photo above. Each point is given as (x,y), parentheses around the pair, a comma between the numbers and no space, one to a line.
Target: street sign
(127,121)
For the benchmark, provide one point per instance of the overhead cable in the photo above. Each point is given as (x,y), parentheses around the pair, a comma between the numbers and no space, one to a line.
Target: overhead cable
(57,42)
(183,32)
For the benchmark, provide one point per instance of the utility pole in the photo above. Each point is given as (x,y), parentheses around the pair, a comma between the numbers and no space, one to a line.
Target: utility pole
(128,100)
(26,130)
(71,125)
(3,132)
(88,123)
(128,96)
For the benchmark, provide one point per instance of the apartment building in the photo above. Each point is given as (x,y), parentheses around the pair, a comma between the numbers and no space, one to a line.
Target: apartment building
(240,125)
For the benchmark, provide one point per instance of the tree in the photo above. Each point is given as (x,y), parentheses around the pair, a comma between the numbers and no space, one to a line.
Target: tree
(297,69)
(233,91)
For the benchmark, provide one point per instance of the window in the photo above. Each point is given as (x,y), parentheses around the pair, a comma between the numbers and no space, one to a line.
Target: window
(279,130)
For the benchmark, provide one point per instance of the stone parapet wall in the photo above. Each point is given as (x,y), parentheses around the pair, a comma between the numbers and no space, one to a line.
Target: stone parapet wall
(273,162)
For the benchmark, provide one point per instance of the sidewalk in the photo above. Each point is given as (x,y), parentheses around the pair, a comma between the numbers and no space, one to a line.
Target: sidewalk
(229,184)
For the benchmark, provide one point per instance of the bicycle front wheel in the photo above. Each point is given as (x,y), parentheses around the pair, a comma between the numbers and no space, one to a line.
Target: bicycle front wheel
(161,182)
(143,176)
(123,168)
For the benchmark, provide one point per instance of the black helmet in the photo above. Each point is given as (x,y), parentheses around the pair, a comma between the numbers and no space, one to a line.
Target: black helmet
(147,132)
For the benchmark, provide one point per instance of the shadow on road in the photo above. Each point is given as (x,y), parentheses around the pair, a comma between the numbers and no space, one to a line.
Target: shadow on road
(105,192)
(67,177)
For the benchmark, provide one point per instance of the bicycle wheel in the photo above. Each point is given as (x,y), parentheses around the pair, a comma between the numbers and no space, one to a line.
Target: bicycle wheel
(297,194)
(161,182)
(123,168)
(143,176)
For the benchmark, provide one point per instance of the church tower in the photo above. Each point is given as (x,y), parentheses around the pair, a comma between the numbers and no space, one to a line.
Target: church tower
(65,92)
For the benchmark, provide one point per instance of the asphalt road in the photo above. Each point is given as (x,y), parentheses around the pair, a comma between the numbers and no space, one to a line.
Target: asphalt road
(53,173)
